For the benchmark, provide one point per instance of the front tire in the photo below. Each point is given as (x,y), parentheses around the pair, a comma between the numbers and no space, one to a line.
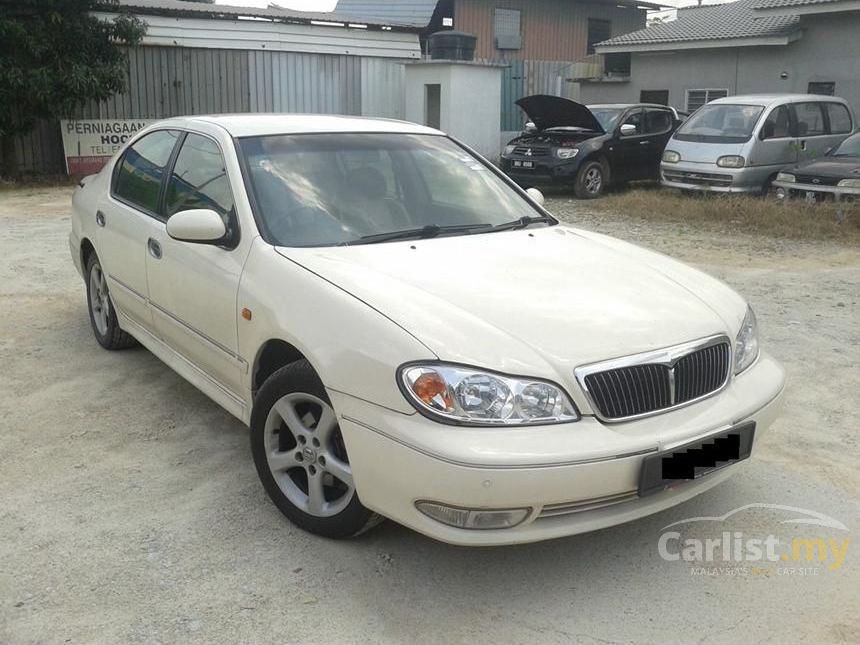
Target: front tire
(103,318)
(301,457)
(590,180)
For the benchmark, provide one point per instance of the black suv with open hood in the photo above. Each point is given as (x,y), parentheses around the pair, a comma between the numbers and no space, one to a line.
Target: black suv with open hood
(588,147)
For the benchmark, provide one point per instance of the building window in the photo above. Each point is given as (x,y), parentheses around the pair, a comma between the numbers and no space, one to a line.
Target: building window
(598,31)
(507,28)
(697,98)
(825,88)
(660,97)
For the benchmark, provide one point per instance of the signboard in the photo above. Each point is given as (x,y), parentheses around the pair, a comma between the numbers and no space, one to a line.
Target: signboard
(89,144)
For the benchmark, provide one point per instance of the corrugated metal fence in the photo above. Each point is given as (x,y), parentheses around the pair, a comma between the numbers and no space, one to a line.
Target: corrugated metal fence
(172,81)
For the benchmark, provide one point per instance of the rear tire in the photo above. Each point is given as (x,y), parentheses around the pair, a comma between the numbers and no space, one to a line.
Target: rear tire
(590,180)
(103,318)
(301,457)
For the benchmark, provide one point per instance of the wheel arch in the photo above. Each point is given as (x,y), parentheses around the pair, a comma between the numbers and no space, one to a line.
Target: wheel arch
(272,355)
(86,250)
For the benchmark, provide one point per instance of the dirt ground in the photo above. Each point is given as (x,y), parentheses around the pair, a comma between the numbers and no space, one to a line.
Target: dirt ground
(130,511)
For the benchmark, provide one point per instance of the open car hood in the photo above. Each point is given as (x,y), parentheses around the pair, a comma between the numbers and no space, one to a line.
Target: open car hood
(555,112)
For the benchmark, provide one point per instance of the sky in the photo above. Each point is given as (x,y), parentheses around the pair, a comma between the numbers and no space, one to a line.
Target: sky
(328,5)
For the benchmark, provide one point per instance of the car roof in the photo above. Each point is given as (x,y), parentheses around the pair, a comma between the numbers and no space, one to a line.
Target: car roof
(767,100)
(250,125)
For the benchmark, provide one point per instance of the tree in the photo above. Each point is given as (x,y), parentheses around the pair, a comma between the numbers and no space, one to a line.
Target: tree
(54,57)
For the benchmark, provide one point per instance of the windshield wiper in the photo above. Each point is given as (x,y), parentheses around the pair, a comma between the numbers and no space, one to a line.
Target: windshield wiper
(424,232)
(523,222)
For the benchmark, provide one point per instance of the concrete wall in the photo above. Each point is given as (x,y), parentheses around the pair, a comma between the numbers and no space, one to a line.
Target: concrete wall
(470,104)
(828,51)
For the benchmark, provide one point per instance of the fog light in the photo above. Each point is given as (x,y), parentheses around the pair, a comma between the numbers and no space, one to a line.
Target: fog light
(472,518)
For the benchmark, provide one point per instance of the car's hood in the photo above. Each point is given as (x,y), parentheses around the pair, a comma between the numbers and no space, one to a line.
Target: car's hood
(830,167)
(555,112)
(534,301)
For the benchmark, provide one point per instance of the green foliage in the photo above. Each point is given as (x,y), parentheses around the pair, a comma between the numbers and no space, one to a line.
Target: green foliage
(55,56)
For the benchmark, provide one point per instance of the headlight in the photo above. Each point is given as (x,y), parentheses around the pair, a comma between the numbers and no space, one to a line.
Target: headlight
(787,177)
(731,161)
(509,150)
(566,153)
(746,343)
(849,183)
(468,396)
(670,156)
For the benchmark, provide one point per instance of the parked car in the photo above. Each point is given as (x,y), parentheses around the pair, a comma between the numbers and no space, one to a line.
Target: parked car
(738,144)
(835,175)
(588,147)
(411,335)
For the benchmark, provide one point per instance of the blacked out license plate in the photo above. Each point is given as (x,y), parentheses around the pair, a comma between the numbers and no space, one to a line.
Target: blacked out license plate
(696,459)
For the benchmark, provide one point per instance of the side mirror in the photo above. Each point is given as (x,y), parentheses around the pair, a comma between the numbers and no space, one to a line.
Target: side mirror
(201,225)
(529,127)
(628,129)
(536,195)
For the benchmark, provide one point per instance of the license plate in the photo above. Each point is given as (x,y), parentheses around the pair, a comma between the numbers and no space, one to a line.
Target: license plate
(524,164)
(696,459)
(811,196)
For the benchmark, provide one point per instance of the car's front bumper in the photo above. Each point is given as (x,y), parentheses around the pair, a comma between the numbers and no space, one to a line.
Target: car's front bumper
(712,178)
(793,189)
(398,460)
(546,171)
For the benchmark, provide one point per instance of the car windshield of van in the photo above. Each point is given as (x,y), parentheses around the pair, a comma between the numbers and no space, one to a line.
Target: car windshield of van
(721,123)
(849,148)
(607,117)
(348,188)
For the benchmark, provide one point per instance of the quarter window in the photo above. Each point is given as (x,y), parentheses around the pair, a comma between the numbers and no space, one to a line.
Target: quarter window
(138,178)
(697,98)
(199,179)
(810,119)
(840,119)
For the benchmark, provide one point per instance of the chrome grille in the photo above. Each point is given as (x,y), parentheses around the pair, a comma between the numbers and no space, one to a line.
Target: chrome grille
(657,381)
(699,178)
(531,151)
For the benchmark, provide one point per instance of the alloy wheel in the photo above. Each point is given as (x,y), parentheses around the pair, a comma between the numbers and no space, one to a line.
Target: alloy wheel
(306,454)
(99,299)
(593,180)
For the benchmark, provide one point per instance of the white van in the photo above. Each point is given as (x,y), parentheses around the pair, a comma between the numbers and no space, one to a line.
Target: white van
(740,143)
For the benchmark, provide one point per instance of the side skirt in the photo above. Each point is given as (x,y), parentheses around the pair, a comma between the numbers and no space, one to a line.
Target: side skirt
(224,397)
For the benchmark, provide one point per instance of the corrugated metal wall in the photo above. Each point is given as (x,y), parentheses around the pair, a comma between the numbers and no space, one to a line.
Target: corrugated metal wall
(173,81)
(525,77)
(552,30)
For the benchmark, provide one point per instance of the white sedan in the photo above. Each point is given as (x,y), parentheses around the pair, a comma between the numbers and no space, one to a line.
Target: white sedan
(410,335)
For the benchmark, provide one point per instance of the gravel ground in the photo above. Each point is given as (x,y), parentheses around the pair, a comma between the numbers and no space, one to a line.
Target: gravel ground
(131,511)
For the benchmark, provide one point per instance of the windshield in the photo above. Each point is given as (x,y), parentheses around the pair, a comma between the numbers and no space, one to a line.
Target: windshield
(329,189)
(849,148)
(721,123)
(606,117)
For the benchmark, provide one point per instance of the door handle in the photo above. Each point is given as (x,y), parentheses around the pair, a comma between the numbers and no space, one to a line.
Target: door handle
(100,218)
(803,145)
(644,143)
(154,248)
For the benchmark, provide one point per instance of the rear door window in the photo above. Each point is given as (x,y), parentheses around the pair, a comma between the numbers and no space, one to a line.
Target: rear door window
(138,177)
(810,119)
(840,118)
